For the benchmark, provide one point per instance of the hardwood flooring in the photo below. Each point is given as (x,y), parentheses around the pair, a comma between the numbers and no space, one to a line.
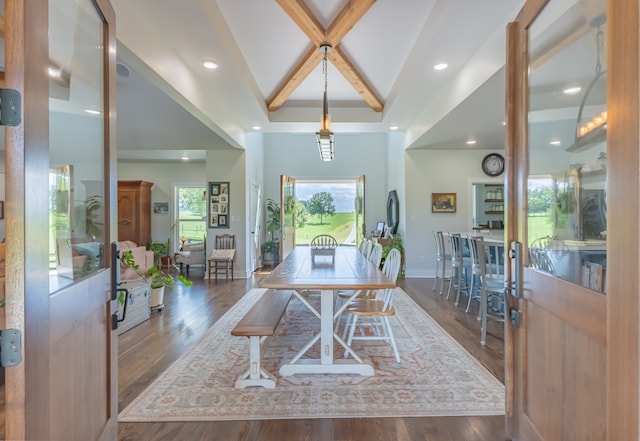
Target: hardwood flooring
(148,349)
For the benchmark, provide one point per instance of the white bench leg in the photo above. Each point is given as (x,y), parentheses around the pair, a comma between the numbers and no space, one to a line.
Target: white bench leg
(255,375)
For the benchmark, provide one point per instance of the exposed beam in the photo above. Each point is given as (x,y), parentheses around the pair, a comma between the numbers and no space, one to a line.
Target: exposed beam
(295,78)
(342,63)
(346,19)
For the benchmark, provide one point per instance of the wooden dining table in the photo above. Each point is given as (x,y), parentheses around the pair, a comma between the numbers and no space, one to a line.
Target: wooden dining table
(348,270)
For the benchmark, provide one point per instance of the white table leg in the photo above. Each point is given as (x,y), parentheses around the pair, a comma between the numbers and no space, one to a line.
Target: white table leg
(326,364)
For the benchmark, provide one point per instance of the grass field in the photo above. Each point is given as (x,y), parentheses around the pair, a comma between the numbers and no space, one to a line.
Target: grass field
(539,226)
(339,226)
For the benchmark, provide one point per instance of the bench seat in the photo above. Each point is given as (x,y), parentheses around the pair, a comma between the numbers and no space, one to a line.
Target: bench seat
(260,323)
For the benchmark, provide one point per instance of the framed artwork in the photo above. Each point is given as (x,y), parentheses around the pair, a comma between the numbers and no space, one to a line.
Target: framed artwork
(1,209)
(443,202)
(161,207)
(219,204)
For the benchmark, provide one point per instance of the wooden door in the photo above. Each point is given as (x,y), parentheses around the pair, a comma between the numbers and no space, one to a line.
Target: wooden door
(65,387)
(572,363)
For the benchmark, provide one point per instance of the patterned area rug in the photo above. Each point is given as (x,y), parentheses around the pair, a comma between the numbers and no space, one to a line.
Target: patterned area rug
(436,377)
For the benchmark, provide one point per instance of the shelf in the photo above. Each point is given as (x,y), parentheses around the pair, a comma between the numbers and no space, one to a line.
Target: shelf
(493,185)
(494,212)
(494,200)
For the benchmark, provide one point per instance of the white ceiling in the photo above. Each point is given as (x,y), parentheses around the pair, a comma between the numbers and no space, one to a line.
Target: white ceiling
(170,105)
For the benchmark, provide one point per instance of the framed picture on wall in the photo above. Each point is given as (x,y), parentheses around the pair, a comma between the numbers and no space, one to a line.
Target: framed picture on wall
(443,203)
(219,204)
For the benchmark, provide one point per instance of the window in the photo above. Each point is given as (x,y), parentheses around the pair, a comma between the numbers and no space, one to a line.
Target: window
(191,206)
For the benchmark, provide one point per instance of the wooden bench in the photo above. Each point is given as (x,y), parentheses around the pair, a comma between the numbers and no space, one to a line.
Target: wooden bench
(260,323)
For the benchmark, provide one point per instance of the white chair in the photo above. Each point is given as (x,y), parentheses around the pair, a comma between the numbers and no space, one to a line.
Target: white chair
(192,254)
(366,248)
(374,313)
(488,267)
(375,256)
(441,258)
(363,245)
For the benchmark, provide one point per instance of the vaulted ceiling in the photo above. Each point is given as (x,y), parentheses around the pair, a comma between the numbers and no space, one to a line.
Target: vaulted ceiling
(381,71)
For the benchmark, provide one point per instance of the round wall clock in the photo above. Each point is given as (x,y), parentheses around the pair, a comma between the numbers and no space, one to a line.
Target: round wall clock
(493,164)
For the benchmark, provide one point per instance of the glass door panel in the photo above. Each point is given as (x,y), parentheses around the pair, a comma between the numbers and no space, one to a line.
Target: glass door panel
(76,137)
(567,223)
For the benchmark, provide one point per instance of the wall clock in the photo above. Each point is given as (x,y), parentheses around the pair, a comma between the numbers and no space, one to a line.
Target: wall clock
(493,164)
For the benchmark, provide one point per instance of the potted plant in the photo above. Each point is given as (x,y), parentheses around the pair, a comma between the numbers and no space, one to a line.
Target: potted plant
(157,278)
(271,248)
(395,242)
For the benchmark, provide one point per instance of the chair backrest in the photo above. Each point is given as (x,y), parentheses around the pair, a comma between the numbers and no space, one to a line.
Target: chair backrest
(487,259)
(439,237)
(363,245)
(366,251)
(324,241)
(225,241)
(456,247)
(376,255)
(391,269)
(478,263)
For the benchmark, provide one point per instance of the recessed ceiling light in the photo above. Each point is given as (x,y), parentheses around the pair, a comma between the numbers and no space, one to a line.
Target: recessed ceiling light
(471,141)
(572,90)
(185,158)
(92,112)
(440,66)
(393,127)
(554,142)
(256,127)
(210,64)
(504,123)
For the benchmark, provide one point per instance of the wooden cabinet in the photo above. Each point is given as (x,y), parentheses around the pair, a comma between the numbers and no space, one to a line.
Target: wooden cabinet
(134,211)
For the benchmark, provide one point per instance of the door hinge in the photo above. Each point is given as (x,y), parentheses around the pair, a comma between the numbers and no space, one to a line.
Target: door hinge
(10,347)
(10,107)
(515,316)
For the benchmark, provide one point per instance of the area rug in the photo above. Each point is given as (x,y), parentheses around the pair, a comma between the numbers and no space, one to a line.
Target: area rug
(436,376)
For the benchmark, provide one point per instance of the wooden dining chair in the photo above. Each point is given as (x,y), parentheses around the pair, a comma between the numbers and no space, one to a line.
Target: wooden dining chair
(374,313)
(222,256)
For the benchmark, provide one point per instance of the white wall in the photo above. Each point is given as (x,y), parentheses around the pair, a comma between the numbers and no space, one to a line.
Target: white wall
(297,156)
(231,166)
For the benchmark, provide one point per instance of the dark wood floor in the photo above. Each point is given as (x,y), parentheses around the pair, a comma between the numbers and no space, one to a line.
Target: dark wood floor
(148,349)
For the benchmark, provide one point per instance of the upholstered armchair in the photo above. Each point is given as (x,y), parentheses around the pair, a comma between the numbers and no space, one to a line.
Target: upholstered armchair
(192,254)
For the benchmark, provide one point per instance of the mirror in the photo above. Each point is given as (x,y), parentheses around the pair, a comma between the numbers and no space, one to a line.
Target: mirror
(392,212)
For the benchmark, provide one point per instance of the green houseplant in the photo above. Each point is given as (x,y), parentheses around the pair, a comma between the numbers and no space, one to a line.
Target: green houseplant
(157,278)
(395,242)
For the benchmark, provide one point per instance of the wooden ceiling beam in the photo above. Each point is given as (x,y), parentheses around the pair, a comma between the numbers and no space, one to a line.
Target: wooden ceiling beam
(294,79)
(304,18)
(346,20)
(359,83)
(341,25)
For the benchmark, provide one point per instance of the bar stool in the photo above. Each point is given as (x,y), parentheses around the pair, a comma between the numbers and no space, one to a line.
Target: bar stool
(441,258)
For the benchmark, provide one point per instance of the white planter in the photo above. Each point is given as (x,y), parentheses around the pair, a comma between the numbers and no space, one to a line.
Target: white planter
(157,298)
